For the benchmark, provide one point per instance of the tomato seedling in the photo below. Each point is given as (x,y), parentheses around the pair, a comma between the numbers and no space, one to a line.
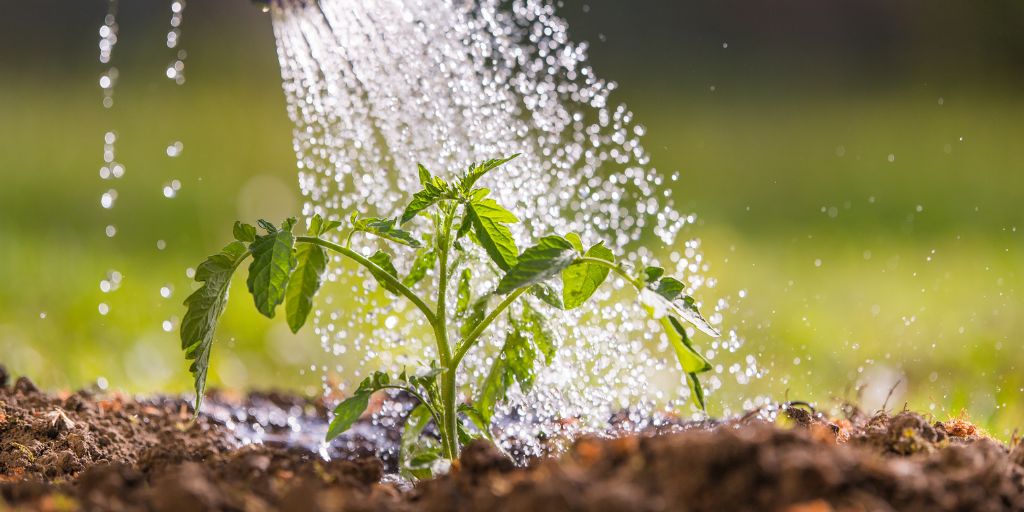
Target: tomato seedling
(290,269)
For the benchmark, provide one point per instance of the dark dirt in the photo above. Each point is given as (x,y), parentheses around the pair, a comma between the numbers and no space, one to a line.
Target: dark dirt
(87,451)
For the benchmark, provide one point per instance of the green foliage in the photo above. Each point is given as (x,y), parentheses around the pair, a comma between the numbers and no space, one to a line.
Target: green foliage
(556,270)
(272,263)
(416,454)
(383,262)
(490,225)
(244,232)
(350,409)
(205,306)
(384,228)
(425,260)
(476,172)
(581,279)
(551,255)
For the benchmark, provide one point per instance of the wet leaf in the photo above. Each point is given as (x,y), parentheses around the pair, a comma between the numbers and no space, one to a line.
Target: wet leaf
(477,420)
(205,307)
(689,359)
(580,280)
(576,241)
(515,363)
(425,260)
(696,390)
(670,288)
(273,260)
(416,453)
(652,274)
(551,255)
(424,174)
(386,229)
(350,409)
(463,295)
(476,172)
(683,307)
(536,325)
(304,284)
(473,316)
(549,294)
(383,260)
(435,189)
(490,224)
(348,412)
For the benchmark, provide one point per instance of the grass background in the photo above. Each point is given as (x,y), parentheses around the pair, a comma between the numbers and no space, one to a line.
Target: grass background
(857,171)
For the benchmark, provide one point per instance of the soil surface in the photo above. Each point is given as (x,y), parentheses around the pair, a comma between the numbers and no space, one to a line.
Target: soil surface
(90,451)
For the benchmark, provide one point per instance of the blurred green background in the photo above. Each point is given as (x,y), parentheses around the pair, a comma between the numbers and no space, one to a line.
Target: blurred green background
(857,168)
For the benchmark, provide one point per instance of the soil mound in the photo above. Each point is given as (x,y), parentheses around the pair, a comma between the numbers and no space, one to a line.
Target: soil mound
(89,451)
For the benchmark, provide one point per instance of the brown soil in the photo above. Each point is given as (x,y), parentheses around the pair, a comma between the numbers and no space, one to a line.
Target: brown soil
(86,451)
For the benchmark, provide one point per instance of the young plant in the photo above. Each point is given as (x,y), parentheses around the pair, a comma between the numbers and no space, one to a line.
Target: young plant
(289,269)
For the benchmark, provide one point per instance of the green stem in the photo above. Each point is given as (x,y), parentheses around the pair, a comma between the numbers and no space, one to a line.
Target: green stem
(449,430)
(377,271)
(471,338)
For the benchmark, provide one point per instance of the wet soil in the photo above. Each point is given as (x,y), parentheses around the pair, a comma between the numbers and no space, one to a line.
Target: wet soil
(90,451)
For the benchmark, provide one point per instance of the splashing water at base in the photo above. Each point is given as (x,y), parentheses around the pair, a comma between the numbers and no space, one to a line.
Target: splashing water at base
(376,86)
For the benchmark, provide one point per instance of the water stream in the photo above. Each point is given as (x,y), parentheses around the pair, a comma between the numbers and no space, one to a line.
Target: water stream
(376,86)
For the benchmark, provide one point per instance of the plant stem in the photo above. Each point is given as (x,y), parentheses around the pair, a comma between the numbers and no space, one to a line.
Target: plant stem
(377,271)
(471,338)
(449,431)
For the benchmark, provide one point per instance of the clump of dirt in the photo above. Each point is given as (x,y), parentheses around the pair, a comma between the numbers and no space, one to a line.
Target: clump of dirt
(88,451)
(46,437)
(903,463)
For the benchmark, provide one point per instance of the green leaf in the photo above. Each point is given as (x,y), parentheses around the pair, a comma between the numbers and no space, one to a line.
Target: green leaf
(548,293)
(515,363)
(477,420)
(551,255)
(383,260)
(580,280)
(425,260)
(696,390)
(535,323)
(463,295)
(689,359)
(318,226)
(670,288)
(475,173)
(492,233)
(273,260)
(425,176)
(576,241)
(205,306)
(466,224)
(350,409)
(433,191)
(494,389)
(684,307)
(304,284)
(348,412)
(476,313)
(386,229)
(244,232)
(416,454)
(652,274)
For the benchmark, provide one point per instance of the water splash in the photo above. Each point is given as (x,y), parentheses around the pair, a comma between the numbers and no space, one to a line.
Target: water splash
(376,86)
